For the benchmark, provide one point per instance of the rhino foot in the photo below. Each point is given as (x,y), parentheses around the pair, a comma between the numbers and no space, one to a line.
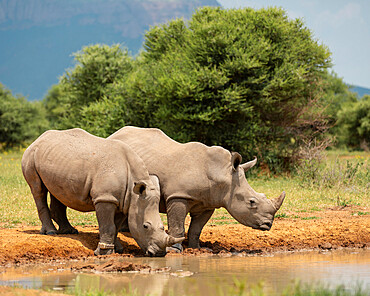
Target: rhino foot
(104,249)
(175,248)
(194,245)
(98,252)
(48,232)
(69,230)
(118,247)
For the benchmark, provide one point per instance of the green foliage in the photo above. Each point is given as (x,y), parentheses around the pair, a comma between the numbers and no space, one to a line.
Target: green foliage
(336,94)
(20,120)
(99,66)
(252,81)
(348,116)
(87,94)
(243,79)
(103,117)
(354,124)
(55,103)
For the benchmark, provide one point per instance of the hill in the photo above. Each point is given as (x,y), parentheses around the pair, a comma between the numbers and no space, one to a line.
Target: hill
(361,91)
(37,37)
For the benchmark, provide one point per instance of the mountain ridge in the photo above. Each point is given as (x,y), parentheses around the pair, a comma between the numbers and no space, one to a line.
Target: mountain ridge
(38,37)
(359,90)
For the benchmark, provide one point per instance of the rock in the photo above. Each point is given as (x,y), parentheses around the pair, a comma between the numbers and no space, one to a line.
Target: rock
(326,246)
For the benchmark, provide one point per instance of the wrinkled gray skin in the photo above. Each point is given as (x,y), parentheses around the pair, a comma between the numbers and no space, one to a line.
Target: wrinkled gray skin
(197,179)
(88,173)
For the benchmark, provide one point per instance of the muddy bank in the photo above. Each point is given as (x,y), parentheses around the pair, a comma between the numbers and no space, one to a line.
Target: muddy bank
(330,229)
(13,291)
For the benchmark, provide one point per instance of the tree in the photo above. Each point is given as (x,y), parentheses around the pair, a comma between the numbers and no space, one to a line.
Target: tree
(347,116)
(20,120)
(354,124)
(89,88)
(336,94)
(245,79)
(55,104)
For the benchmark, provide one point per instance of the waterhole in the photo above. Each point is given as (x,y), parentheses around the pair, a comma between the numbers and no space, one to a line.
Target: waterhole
(178,275)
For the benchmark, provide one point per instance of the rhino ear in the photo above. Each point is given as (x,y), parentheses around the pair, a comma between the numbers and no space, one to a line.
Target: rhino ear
(139,188)
(236,159)
(246,166)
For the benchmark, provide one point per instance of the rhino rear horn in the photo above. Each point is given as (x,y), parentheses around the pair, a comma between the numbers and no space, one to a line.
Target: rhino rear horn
(173,240)
(246,166)
(277,202)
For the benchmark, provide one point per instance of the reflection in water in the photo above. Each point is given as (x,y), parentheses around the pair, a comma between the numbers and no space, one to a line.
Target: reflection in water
(334,268)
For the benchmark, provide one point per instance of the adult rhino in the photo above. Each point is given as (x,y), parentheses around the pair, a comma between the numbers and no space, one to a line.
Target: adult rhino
(197,179)
(88,173)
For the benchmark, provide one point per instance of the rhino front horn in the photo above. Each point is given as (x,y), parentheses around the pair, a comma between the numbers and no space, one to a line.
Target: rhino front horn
(173,240)
(277,202)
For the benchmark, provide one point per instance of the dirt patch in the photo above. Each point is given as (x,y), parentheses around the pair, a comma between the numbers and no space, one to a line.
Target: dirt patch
(330,229)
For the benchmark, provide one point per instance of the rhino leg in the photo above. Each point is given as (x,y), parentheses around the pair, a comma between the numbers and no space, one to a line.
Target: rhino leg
(59,215)
(124,227)
(105,213)
(39,193)
(119,219)
(196,225)
(177,209)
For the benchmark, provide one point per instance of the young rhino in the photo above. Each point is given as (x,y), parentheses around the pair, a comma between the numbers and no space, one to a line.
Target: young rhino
(88,173)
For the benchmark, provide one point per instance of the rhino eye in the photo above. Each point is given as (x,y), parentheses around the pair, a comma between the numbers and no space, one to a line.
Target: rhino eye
(253,203)
(146,225)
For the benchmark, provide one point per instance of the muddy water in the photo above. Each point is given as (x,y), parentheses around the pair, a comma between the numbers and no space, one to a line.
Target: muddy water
(204,275)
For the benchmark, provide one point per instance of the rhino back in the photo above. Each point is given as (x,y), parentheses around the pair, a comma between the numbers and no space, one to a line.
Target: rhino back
(74,165)
(185,170)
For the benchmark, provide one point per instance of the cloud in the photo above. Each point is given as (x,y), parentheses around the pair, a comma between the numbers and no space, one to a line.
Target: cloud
(350,12)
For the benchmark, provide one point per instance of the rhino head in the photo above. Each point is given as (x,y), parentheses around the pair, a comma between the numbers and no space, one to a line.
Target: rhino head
(144,220)
(247,206)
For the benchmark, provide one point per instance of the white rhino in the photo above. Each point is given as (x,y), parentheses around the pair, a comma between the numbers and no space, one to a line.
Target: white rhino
(197,179)
(88,173)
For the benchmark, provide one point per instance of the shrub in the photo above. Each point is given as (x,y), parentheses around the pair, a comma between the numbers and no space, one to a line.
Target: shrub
(246,79)
(85,96)
(20,120)
(354,124)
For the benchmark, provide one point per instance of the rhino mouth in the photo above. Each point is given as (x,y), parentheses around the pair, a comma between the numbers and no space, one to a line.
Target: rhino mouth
(265,226)
(155,253)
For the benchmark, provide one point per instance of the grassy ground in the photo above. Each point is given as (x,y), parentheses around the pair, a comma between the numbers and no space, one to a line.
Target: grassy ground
(341,179)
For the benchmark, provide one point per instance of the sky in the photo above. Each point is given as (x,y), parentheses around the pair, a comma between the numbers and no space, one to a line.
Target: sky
(342,25)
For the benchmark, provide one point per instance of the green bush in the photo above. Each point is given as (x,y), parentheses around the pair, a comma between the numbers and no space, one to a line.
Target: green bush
(85,96)
(354,124)
(248,80)
(20,120)
(245,79)
(336,94)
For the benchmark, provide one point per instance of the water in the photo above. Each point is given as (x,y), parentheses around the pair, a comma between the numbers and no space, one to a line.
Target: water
(204,275)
